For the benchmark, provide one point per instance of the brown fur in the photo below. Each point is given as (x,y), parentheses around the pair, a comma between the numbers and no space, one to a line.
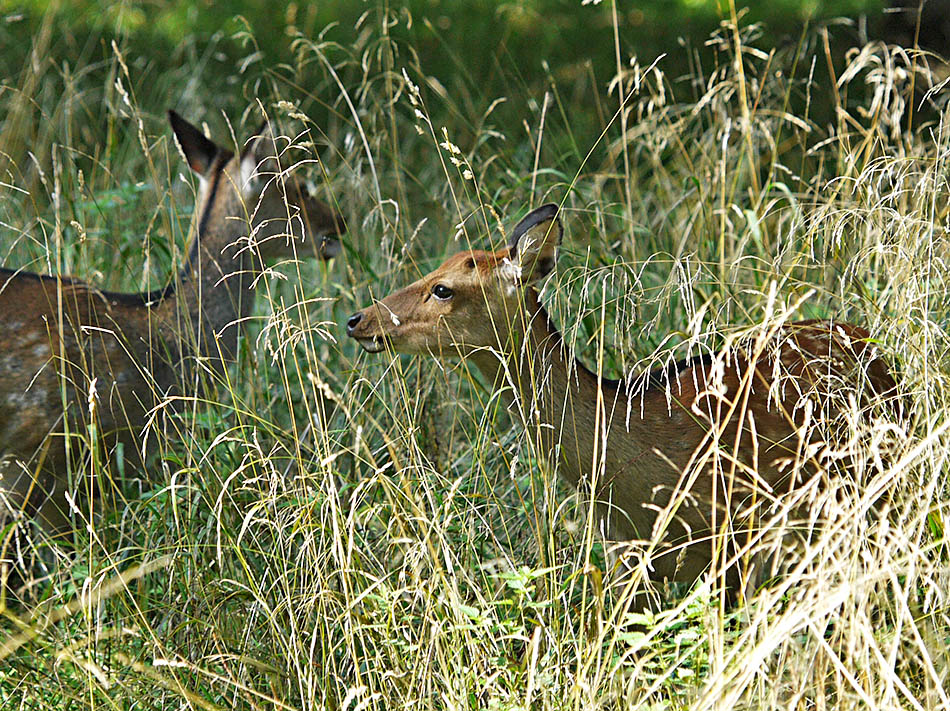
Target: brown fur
(676,465)
(76,357)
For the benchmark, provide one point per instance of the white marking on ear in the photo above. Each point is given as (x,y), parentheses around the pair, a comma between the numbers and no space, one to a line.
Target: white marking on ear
(202,182)
(510,274)
(250,176)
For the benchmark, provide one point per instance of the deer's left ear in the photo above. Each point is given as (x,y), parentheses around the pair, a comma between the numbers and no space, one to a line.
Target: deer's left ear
(199,150)
(534,242)
(259,157)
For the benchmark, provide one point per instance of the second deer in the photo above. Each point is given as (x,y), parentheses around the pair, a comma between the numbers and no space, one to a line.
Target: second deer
(88,365)
(682,465)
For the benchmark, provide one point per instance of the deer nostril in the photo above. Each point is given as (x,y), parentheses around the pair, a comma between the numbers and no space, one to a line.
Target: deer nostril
(353,322)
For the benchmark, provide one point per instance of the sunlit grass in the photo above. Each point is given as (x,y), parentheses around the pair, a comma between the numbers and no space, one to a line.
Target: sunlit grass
(338,530)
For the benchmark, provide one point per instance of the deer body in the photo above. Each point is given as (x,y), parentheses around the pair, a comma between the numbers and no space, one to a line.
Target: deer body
(77,356)
(679,461)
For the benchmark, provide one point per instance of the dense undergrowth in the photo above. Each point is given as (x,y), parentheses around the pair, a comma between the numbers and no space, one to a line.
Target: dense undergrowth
(337,530)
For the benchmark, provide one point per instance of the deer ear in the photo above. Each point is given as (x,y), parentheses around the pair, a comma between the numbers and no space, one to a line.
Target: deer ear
(199,150)
(534,241)
(259,157)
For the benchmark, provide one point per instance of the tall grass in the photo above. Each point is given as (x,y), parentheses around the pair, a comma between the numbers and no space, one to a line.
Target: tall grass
(337,530)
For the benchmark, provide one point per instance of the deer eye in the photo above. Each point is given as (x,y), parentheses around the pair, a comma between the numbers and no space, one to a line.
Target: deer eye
(442,292)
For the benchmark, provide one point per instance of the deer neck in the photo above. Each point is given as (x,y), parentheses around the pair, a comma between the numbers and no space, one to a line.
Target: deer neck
(565,407)
(212,293)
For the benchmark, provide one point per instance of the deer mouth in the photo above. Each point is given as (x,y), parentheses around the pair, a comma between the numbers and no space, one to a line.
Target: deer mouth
(372,344)
(330,248)
(366,332)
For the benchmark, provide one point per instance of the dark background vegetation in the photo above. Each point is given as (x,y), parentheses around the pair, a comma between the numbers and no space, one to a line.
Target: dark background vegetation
(482,65)
(474,51)
(309,509)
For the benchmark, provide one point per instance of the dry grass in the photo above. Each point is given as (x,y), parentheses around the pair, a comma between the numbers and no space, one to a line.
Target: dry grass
(345,531)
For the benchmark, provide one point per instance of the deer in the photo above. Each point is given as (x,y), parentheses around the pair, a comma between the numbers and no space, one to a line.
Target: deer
(678,460)
(85,365)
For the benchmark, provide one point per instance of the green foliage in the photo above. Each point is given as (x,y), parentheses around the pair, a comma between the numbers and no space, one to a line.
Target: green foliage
(340,531)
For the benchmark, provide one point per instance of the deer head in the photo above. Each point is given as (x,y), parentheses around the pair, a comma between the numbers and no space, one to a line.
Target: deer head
(472,302)
(281,211)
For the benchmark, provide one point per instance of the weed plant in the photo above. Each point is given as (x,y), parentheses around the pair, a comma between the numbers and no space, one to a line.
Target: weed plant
(344,531)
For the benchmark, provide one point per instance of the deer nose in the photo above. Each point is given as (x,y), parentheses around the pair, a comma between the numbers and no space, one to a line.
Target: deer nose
(353,322)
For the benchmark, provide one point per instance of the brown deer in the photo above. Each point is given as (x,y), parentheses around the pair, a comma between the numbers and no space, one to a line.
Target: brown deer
(87,365)
(679,459)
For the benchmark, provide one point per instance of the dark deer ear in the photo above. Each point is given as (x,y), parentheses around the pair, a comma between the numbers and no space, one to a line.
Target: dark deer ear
(534,241)
(199,150)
